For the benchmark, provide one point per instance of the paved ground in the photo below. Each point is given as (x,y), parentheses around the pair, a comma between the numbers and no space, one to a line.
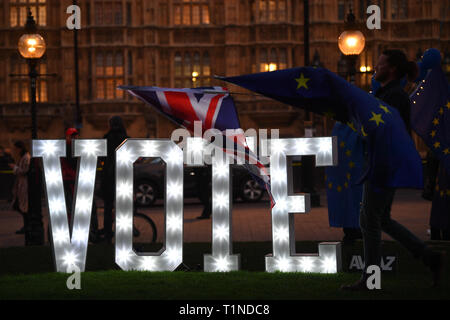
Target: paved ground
(252,222)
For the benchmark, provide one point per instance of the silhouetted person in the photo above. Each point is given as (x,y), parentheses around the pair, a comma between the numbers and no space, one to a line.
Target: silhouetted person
(20,188)
(375,215)
(203,180)
(115,136)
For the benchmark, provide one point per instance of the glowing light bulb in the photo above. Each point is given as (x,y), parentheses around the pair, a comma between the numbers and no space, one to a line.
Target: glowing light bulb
(70,258)
(306,264)
(60,235)
(123,223)
(123,256)
(221,200)
(84,205)
(221,264)
(283,264)
(124,190)
(329,265)
(174,223)
(221,232)
(90,148)
(53,177)
(302,146)
(173,255)
(147,264)
(351,41)
(277,146)
(281,234)
(174,190)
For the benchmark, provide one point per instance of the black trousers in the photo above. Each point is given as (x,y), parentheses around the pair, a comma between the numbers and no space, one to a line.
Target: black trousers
(375,216)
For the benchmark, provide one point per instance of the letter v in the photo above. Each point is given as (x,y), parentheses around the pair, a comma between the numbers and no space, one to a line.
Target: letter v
(69,251)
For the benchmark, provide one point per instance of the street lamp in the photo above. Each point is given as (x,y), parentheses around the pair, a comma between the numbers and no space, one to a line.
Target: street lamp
(351,43)
(32,47)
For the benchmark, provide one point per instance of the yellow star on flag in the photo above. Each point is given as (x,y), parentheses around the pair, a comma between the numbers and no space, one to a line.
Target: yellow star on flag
(363,132)
(342,144)
(386,110)
(339,188)
(346,185)
(302,82)
(448,105)
(448,192)
(351,125)
(436,121)
(330,185)
(447,151)
(349,176)
(441,111)
(433,133)
(442,193)
(377,118)
(437,145)
(348,153)
(351,164)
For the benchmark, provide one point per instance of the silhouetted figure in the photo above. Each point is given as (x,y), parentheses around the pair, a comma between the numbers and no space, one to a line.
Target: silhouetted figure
(20,188)
(375,215)
(203,178)
(115,136)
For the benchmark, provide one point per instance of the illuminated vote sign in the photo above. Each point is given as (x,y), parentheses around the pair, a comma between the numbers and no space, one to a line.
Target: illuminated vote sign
(70,238)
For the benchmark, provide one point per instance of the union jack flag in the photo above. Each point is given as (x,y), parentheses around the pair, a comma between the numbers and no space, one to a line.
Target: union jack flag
(215,108)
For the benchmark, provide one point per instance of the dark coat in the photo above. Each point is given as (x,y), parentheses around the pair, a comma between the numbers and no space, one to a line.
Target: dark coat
(114,138)
(394,95)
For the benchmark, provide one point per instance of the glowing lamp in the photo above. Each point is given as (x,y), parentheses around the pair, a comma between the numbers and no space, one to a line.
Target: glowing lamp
(351,42)
(31,44)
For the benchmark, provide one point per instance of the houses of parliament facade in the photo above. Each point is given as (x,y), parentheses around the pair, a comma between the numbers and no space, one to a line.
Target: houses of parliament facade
(183,43)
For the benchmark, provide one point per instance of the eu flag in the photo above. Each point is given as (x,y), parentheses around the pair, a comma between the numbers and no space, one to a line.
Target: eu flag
(393,158)
(343,194)
(430,114)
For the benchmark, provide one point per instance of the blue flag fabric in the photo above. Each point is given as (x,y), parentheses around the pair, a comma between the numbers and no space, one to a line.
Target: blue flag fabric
(430,114)
(393,158)
(440,207)
(343,194)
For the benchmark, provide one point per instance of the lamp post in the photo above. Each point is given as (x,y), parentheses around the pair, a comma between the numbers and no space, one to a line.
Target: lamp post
(32,47)
(351,43)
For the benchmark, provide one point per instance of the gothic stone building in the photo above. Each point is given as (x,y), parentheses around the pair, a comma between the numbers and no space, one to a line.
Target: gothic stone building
(182,43)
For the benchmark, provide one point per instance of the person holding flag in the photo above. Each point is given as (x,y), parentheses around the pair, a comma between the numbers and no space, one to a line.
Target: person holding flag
(392,159)
(430,119)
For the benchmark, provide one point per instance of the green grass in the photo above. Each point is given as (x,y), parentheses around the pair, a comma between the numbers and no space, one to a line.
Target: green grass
(26,273)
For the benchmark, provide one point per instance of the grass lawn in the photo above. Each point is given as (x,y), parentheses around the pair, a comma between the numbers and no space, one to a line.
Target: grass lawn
(27,273)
